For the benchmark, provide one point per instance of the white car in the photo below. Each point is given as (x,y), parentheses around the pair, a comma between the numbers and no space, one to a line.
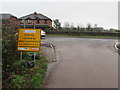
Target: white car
(43,33)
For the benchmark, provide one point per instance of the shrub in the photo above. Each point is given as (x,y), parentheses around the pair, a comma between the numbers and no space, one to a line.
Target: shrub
(17,81)
(36,80)
(9,53)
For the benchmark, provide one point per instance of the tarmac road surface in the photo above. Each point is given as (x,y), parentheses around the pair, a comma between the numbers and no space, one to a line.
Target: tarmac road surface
(84,63)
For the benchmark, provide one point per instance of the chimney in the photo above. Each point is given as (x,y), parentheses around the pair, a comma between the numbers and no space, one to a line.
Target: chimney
(35,13)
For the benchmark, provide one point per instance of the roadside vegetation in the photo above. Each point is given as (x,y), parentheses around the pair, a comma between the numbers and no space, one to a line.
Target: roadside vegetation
(84,36)
(69,26)
(90,31)
(14,73)
(25,77)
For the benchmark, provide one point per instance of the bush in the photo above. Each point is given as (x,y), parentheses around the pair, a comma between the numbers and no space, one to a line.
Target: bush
(14,74)
(36,80)
(18,81)
(80,32)
(9,52)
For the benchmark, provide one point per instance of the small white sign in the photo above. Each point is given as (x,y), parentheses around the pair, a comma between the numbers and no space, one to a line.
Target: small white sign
(22,48)
(29,31)
(35,48)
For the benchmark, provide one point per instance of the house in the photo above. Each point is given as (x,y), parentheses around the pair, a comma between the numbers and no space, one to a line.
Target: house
(35,20)
(12,20)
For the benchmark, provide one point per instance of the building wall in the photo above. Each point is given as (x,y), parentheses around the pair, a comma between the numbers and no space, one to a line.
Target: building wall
(13,20)
(49,22)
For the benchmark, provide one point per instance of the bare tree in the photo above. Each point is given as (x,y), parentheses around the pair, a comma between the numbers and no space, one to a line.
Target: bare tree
(66,25)
(72,25)
(89,27)
(95,26)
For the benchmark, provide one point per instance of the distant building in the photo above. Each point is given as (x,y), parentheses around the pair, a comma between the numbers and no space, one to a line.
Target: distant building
(35,20)
(10,19)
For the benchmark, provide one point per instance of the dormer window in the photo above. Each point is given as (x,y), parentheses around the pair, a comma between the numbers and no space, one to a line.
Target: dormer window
(22,21)
(38,21)
(29,21)
(45,22)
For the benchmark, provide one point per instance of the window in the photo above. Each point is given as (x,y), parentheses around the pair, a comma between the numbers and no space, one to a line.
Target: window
(10,21)
(29,21)
(45,22)
(21,21)
(38,21)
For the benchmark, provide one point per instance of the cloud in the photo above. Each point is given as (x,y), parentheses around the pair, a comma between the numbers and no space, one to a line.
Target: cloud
(104,14)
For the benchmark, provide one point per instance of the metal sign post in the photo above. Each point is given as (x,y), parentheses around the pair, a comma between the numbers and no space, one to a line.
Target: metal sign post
(21,51)
(21,56)
(34,52)
(34,56)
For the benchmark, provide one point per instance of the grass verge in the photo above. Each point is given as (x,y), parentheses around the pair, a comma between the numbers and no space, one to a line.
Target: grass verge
(24,77)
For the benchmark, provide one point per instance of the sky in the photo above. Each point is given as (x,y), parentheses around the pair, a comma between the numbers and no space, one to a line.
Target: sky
(103,13)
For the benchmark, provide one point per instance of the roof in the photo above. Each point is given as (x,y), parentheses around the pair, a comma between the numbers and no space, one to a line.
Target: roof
(35,16)
(6,16)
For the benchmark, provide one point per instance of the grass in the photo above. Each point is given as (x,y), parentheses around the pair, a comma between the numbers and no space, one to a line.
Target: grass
(85,36)
(99,36)
(18,80)
(57,35)
(39,72)
(24,77)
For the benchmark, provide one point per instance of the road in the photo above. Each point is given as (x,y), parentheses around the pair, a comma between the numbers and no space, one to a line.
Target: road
(84,63)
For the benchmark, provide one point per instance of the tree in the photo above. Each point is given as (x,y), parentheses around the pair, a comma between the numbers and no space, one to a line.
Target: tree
(57,24)
(89,27)
(112,30)
(66,25)
(95,26)
(78,27)
(9,52)
(71,25)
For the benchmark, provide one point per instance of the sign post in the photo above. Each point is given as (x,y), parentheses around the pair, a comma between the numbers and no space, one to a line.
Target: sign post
(29,40)
(34,56)
(21,56)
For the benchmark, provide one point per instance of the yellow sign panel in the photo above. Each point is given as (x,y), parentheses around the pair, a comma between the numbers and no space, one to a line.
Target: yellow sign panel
(29,39)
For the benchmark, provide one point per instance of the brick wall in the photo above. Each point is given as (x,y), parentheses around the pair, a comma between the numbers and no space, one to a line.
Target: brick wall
(49,22)
(13,20)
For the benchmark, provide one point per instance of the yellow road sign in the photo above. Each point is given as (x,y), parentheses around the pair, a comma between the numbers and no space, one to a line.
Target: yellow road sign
(29,39)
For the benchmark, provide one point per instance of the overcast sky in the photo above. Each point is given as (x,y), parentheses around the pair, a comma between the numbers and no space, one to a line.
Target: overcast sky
(104,14)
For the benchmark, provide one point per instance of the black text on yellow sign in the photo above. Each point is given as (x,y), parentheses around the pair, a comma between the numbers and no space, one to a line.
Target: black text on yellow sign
(29,39)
